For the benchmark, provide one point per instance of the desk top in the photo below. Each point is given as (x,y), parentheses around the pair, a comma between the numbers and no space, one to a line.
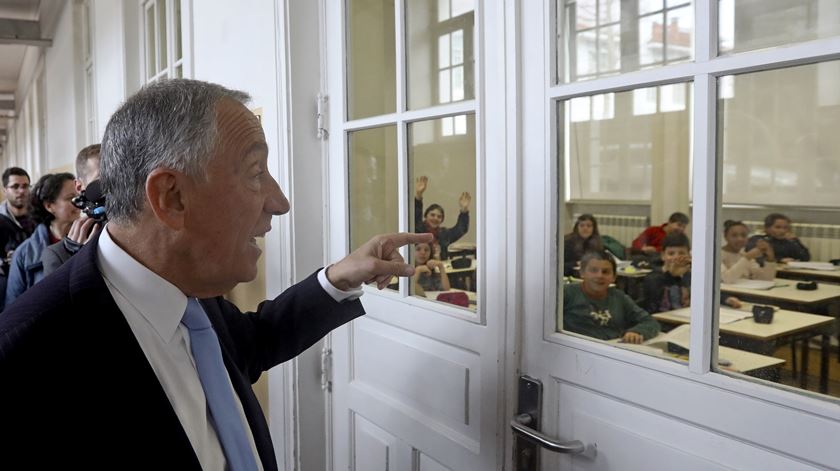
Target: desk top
(784,323)
(740,360)
(802,273)
(744,362)
(785,290)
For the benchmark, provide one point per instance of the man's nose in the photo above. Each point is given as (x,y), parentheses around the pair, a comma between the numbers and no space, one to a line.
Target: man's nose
(276,203)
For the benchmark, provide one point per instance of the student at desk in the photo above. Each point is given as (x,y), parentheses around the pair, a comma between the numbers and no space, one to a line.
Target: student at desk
(425,278)
(583,238)
(669,287)
(432,219)
(758,263)
(595,309)
(786,246)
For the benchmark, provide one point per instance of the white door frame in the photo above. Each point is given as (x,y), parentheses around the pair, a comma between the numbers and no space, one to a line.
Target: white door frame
(669,389)
(480,448)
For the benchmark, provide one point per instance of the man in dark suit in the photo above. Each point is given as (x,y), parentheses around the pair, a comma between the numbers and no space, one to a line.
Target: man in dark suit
(127,356)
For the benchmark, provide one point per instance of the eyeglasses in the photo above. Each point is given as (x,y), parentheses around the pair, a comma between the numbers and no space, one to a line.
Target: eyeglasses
(19,186)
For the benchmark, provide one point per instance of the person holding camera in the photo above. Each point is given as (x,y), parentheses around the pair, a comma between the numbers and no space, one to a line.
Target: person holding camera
(84,228)
(52,207)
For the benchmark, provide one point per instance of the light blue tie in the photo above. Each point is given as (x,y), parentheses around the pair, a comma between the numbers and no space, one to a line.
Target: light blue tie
(214,379)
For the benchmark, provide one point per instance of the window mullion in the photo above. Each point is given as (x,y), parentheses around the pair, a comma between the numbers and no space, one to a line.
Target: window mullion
(705,257)
(403,183)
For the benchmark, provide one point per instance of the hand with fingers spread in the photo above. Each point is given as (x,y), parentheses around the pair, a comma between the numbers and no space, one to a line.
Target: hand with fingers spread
(376,261)
(420,186)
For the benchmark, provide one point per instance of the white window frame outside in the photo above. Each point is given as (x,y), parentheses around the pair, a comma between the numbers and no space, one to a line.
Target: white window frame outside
(167,70)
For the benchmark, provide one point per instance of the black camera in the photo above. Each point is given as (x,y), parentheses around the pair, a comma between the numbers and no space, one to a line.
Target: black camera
(92,202)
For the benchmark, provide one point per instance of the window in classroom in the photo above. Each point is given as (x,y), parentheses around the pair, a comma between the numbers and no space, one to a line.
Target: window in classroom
(442,171)
(780,154)
(162,39)
(607,37)
(439,44)
(626,158)
(371,58)
(746,25)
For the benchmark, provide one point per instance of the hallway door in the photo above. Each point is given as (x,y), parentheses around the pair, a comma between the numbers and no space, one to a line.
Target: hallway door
(608,103)
(417,382)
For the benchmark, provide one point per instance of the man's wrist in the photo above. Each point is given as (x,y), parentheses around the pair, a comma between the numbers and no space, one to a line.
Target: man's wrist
(340,284)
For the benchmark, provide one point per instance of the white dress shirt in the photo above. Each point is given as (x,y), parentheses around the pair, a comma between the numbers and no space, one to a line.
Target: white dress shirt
(153,308)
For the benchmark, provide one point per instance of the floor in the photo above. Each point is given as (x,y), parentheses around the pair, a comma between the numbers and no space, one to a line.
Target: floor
(813,370)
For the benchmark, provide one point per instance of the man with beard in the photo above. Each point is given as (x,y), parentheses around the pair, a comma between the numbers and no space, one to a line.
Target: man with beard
(15,223)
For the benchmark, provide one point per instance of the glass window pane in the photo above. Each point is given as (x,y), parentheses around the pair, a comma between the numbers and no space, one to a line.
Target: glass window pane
(179,53)
(609,49)
(443,52)
(647,6)
(587,54)
(609,11)
(442,166)
(615,273)
(779,148)
(678,34)
(162,28)
(755,24)
(585,13)
(374,197)
(151,45)
(602,38)
(371,58)
(651,40)
(433,48)
(458,83)
(445,90)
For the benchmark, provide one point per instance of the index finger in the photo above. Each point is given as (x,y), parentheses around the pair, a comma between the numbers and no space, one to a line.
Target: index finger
(403,238)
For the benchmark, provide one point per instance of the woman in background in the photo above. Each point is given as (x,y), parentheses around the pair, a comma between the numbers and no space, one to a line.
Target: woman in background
(583,238)
(757,263)
(52,206)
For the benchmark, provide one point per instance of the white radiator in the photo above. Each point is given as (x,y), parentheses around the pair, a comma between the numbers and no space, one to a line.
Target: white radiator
(823,240)
(621,228)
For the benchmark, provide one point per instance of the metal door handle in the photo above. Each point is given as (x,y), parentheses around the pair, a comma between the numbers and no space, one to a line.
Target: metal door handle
(519,425)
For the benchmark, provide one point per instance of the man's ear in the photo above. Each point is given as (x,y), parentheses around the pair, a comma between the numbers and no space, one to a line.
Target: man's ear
(165,193)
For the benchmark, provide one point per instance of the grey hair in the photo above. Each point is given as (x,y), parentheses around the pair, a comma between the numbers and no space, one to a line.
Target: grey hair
(168,124)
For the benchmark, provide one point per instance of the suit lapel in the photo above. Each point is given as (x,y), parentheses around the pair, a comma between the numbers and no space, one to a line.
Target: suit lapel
(129,374)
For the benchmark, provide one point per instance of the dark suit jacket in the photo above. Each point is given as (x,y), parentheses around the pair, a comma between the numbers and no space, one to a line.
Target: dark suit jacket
(76,389)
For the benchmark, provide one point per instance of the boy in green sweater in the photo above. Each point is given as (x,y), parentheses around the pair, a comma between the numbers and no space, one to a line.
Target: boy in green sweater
(595,309)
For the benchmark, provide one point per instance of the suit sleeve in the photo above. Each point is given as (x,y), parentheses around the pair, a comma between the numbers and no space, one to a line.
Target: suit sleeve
(284,327)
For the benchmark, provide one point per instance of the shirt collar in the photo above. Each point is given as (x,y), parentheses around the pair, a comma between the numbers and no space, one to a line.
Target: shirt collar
(160,302)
